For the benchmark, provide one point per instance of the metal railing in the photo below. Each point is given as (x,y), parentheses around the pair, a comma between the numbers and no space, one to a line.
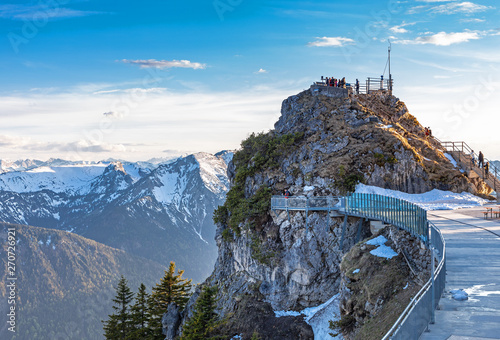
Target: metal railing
(321,203)
(464,153)
(401,213)
(420,311)
(398,212)
(405,215)
(370,85)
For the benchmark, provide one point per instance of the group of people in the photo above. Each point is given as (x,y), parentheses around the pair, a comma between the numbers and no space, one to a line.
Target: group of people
(339,83)
(480,162)
(428,132)
(334,82)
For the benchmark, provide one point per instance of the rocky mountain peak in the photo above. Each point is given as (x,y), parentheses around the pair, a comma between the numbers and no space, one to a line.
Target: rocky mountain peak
(322,144)
(113,179)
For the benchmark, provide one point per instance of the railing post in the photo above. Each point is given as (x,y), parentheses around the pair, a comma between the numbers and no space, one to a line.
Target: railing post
(433,286)
(307,210)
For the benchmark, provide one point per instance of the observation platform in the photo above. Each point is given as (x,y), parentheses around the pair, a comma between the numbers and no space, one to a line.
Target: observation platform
(390,210)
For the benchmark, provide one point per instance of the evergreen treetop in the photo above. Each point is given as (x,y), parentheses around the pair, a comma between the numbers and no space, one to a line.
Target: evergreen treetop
(172,288)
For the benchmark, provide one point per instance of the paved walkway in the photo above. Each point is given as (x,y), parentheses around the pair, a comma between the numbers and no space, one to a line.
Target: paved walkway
(473,264)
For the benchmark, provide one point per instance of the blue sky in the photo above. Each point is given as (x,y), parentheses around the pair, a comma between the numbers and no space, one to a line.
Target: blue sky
(136,80)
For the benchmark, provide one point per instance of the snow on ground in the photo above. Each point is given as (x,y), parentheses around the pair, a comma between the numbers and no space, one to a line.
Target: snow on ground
(382,250)
(385,126)
(377,241)
(56,178)
(319,317)
(431,200)
(171,182)
(459,295)
(451,159)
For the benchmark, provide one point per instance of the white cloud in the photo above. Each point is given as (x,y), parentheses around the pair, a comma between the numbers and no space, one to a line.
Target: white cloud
(450,7)
(162,64)
(442,38)
(331,41)
(261,71)
(460,7)
(400,28)
(30,144)
(40,12)
(472,20)
(416,9)
(70,123)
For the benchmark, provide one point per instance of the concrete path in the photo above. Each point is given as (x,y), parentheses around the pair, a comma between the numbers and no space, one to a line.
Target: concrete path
(473,264)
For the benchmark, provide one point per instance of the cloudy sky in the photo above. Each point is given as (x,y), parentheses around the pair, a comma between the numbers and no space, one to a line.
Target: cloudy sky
(88,79)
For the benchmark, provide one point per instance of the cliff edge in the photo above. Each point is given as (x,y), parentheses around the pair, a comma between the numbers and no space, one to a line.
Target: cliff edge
(321,145)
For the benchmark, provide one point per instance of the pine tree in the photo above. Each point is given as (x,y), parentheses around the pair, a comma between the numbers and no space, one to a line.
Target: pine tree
(171,289)
(140,315)
(154,330)
(118,325)
(204,318)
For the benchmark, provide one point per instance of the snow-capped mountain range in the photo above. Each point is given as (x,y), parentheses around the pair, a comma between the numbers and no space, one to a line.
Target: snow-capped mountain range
(159,211)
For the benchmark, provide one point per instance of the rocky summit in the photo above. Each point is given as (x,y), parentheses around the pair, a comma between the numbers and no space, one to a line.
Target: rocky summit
(324,143)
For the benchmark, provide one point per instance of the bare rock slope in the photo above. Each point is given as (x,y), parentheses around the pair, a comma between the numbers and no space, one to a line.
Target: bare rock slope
(321,145)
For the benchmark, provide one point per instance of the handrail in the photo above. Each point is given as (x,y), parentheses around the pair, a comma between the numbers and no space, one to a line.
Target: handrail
(404,215)
(439,277)
(395,211)
(398,212)
(463,147)
(305,203)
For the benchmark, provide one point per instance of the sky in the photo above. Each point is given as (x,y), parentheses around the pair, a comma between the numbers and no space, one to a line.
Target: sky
(92,80)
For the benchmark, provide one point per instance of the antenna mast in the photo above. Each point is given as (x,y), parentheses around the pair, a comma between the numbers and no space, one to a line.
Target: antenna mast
(389,61)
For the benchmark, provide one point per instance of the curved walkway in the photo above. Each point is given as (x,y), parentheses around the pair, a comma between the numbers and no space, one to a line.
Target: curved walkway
(473,264)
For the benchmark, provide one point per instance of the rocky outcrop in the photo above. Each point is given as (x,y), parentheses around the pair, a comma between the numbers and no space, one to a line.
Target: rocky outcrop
(374,290)
(171,321)
(321,145)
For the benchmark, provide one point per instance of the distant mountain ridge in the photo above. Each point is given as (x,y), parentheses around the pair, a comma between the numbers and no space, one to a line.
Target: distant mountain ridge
(28,164)
(65,283)
(162,212)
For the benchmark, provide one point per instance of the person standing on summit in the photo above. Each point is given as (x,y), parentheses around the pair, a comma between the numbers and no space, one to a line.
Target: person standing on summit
(480,160)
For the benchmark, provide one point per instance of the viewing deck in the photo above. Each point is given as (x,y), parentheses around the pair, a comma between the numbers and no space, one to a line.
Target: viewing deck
(400,213)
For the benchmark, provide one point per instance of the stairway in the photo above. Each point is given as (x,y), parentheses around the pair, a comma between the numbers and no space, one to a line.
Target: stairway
(460,151)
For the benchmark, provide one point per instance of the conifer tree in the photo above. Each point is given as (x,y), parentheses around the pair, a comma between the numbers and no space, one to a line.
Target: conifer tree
(140,315)
(171,289)
(204,318)
(154,330)
(118,325)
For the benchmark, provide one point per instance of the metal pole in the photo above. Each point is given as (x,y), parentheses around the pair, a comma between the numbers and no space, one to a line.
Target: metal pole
(343,232)
(390,75)
(307,209)
(433,317)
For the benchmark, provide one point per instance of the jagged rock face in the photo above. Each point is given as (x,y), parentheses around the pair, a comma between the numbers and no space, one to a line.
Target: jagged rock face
(171,321)
(393,154)
(333,142)
(302,271)
(374,290)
